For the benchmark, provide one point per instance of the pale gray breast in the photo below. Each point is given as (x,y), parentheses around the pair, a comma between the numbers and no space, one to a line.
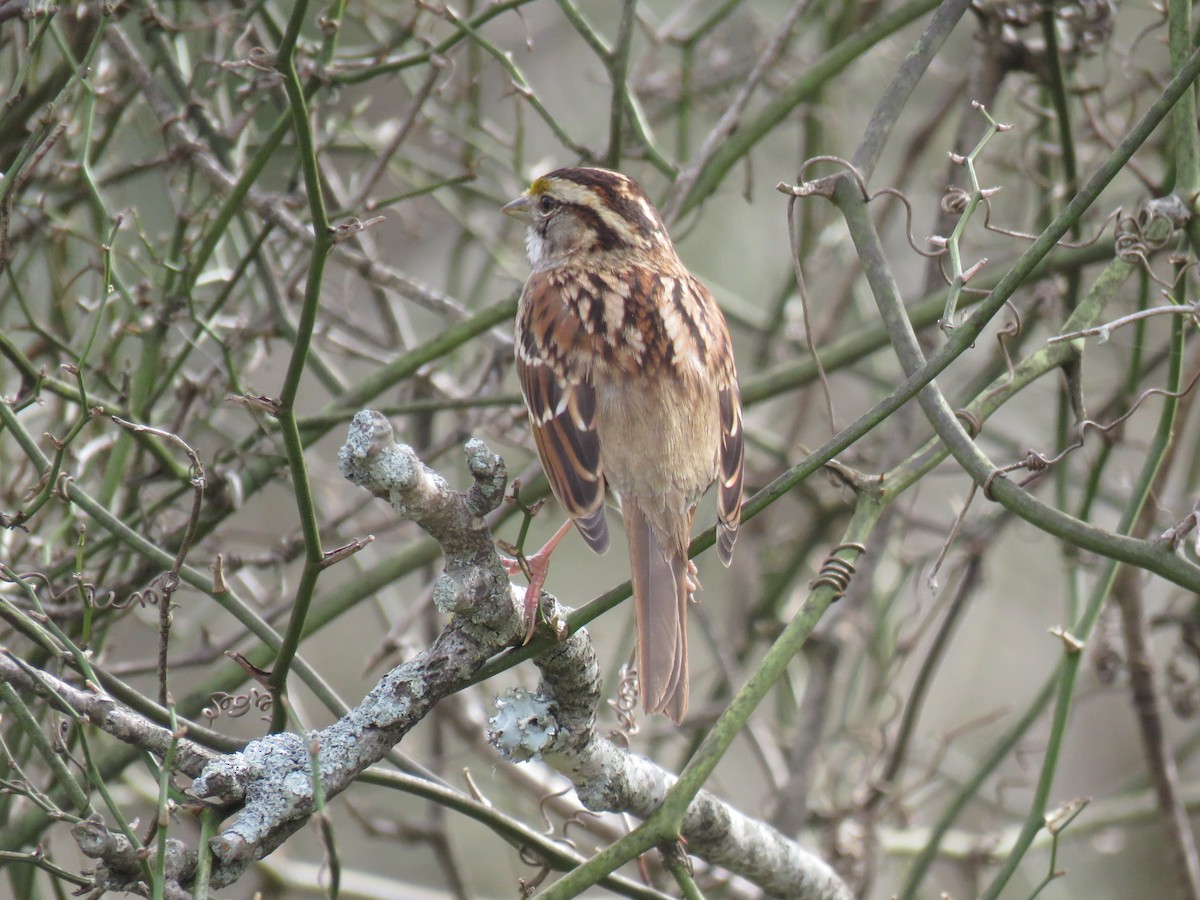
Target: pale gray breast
(658,439)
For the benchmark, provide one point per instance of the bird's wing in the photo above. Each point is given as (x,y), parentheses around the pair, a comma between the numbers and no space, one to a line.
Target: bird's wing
(717,351)
(562,406)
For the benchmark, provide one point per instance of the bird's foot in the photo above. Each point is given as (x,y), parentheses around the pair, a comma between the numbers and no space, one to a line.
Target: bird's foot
(535,568)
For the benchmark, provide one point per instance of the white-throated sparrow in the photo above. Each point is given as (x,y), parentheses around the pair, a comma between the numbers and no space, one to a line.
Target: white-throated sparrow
(627,369)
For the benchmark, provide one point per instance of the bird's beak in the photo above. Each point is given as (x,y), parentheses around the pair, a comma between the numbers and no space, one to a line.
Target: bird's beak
(518,209)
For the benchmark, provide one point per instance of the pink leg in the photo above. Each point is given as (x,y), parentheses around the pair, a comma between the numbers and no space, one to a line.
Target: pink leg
(537,567)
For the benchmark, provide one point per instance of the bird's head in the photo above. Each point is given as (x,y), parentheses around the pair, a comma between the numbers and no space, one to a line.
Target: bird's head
(579,214)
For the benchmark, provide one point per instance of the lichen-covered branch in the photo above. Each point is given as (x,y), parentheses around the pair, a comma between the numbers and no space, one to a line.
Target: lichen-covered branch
(270,778)
(557,723)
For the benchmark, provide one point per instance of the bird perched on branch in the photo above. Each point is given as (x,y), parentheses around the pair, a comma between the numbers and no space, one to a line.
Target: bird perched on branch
(627,369)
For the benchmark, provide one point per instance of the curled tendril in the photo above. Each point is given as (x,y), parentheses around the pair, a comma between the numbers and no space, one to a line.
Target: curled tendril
(577,821)
(954,201)
(234,706)
(837,160)
(908,222)
(970,421)
(89,595)
(1025,236)
(1010,330)
(61,484)
(38,576)
(1037,463)
(624,704)
(1133,247)
(63,600)
(529,885)
(836,572)
(161,586)
(114,602)
(549,831)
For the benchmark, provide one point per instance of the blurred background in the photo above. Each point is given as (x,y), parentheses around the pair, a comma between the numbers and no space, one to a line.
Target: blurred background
(156,251)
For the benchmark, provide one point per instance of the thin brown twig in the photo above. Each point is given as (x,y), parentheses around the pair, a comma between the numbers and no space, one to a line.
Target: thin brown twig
(1145,694)
(809,339)
(169,582)
(729,120)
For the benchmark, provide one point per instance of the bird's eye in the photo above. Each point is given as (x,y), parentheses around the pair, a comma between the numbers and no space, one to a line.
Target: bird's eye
(546,204)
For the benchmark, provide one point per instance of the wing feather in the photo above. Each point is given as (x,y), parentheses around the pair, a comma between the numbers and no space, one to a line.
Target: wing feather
(711,334)
(562,408)
(730,470)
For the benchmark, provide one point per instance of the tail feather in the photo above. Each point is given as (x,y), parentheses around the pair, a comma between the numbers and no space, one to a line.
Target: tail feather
(660,593)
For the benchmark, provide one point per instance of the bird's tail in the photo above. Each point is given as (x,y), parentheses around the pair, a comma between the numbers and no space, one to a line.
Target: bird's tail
(661,590)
